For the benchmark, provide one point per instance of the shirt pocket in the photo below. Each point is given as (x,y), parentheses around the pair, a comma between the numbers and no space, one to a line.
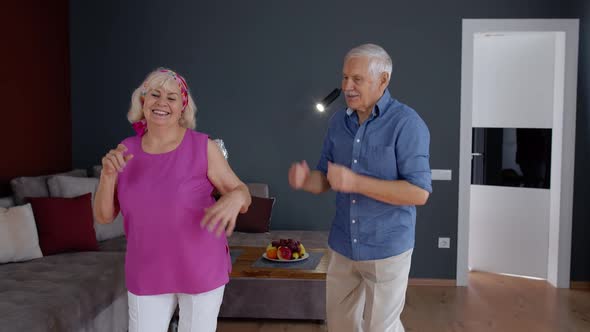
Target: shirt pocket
(380,162)
(342,152)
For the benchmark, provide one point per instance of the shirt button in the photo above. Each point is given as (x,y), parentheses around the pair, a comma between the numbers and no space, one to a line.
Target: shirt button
(353,221)
(354,201)
(358,140)
(355,161)
(354,240)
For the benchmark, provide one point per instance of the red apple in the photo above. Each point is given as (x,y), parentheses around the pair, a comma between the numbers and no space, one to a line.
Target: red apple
(284,253)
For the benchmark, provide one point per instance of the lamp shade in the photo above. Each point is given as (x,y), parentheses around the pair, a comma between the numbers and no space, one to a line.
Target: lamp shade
(322,105)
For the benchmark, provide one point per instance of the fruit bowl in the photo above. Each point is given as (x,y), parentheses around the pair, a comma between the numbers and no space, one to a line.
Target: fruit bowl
(285,250)
(304,257)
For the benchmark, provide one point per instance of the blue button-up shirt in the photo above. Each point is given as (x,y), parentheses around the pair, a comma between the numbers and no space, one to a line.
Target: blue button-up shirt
(392,144)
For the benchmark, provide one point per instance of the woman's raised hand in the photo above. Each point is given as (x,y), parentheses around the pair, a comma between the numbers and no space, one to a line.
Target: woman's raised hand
(115,160)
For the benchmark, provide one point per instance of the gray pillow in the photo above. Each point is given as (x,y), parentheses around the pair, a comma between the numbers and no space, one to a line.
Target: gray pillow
(95,171)
(68,186)
(6,202)
(19,240)
(36,186)
(258,189)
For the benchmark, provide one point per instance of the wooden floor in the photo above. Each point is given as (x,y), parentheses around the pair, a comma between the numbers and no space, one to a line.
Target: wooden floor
(490,303)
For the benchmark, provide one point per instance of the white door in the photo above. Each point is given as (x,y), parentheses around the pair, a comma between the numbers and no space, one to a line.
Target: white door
(513,87)
(517,77)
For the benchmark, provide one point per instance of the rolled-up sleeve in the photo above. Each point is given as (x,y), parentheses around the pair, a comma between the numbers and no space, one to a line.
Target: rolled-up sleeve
(326,155)
(412,151)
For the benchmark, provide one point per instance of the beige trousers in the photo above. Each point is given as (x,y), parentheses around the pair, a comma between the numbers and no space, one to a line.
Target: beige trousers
(366,296)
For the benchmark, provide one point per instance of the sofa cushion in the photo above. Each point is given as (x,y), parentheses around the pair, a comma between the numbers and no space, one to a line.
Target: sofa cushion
(63,292)
(64,224)
(18,235)
(114,244)
(257,218)
(69,186)
(258,189)
(36,186)
(95,171)
(6,202)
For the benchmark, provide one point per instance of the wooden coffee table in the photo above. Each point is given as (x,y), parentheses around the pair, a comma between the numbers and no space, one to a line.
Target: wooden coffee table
(243,268)
(277,293)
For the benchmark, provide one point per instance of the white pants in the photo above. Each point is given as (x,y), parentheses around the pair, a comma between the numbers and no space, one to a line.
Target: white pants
(366,296)
(152,313)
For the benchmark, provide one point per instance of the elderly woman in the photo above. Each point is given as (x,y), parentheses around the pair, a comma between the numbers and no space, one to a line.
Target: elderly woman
(161,180)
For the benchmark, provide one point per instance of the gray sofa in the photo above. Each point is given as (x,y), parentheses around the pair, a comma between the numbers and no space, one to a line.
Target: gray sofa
(79,291)
(85,291)
(74,291)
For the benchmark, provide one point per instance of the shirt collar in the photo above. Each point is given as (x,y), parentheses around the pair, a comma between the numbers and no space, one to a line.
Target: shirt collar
(381,105)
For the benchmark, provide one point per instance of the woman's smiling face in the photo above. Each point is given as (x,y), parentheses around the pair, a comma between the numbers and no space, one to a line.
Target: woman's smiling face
(163,105)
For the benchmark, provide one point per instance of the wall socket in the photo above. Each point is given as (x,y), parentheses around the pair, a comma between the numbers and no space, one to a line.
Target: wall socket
(444,242)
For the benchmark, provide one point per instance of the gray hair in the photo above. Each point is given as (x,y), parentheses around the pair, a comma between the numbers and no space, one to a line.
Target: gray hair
(379,60)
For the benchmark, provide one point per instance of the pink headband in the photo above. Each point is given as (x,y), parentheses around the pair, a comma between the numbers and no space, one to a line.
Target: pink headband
(181,84)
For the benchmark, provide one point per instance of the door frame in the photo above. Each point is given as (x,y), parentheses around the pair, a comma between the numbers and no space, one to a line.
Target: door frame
(560,227)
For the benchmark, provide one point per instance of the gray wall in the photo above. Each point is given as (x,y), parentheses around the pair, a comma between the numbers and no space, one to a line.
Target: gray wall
(255,69)
(580,270)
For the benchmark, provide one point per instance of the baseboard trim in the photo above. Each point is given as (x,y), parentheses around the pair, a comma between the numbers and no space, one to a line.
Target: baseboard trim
(432,282)
(580,285)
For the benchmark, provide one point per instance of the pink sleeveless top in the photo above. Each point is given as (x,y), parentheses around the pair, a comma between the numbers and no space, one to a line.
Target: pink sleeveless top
(162,198)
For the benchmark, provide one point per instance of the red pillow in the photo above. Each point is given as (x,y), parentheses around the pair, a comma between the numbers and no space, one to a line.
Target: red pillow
(257,219)
(64,224)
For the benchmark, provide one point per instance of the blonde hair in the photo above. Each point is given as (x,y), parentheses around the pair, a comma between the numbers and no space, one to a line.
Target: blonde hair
(161,78)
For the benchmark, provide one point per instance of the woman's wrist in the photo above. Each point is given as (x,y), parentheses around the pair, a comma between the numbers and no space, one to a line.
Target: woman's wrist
(108,178)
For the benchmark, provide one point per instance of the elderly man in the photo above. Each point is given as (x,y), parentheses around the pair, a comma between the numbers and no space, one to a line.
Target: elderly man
(375,156)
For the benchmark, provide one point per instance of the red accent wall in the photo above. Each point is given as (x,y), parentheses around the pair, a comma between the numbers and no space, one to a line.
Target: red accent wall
(35,121)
